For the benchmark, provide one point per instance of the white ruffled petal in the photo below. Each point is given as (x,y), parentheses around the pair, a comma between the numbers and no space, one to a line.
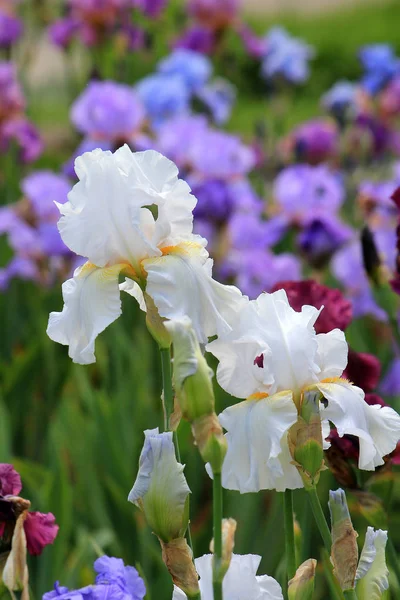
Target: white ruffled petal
(133,289)
(256,436)
(372,569)
(240,581)
(102,218)
(181,284)
(331,354)
(91,303)
(378,428)
(291,337)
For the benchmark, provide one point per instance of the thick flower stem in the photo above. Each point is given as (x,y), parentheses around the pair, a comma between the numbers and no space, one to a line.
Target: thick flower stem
(168,404)
(289,534)
(350,594)
(217,526)
(320,518)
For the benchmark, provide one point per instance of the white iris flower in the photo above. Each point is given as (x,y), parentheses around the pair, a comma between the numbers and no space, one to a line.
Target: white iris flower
(271,356)
(130,214)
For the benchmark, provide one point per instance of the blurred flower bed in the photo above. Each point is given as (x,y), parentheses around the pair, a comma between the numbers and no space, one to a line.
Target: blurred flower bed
(292,148)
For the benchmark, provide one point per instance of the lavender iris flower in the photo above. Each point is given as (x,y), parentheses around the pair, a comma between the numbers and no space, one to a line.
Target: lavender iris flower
(198,38)
(11,96)
(24,134)
(10,29)
(218,97)
(42,188)
(164,96)
(390,385)
(286,56)
(341,99)
(194,68)
(380,66)
(304,190)
(315,141)
(321,237)
(114,581)
(107,110)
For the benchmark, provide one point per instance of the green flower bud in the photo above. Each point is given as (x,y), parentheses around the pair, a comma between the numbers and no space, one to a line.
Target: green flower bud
(344,552)
(160,489)
(301,587)
(305,440)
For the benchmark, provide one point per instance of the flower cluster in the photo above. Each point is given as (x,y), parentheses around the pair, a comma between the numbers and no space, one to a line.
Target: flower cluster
(10,25)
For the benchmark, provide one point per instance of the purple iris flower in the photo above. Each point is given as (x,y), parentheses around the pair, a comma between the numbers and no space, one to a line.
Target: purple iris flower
(107,110)
(198,38)
(255,46)
(321,237)
(218,97)
(25,135)
(286,56)
(151,8)
(194,68)
(114,581)
(62,32)
(164,96)
(390,385)
(304,190)
(341,101)
(315,141)
(42,189)
(214,200)
(18,268)
(10,29)
(177,136)
(380,66)
(11,96)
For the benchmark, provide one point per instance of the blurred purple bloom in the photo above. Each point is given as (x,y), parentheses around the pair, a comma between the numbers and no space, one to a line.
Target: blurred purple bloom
(11,96)
(207,230)
(214,200)
(258,270)
(215,14)
(218,96)
(62,32)
(163,96)
(42,189)
(286,56)
(380,65)
(114,581)
(10,480)
(40,530)
(341,99)
(194,68)
(135,36)
(315,140)
(18,268)
(50,240)
(198,38)
(375,198)
(321,237)
(380,135)
(23,133)
(254,45)
(390,98)
(106,109)
(8,219)
(303,191)
(247,231)
(347,266)
(176,136)
(24,239)
(10,29)
(390,385)
(220,155)
(151,8)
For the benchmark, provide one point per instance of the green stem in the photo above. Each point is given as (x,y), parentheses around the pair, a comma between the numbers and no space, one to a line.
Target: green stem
(393,558)
(333,584)
(168,404)
(320,518)
(217,525)
(351,594)
(289,534)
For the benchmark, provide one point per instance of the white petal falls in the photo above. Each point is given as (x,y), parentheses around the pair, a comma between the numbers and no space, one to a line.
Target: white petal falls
(180,283)
(257,441)
(91,303)
(240,581)
(372,569)
(332,353)
(378,428)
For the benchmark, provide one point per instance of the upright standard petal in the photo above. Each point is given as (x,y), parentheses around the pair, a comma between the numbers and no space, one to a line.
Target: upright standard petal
(91,303)
(102,218)
(331,354)
(180,283)
(256,434)
(377,427)
(160,488)
(240,581)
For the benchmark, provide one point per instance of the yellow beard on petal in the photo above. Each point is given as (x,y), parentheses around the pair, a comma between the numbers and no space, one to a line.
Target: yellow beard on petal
(182,248)
(335,380)
(257,396)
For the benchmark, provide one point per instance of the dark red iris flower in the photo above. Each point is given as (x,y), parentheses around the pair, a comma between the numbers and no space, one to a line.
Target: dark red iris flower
(40,528)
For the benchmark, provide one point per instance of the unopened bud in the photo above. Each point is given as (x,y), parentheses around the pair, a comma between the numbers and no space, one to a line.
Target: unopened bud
(344,552)
(192,375)
(372,573)
(15,570)
(156,324)
(160,489)
(305,440)
(301,587)
(228,543)
(209,437)
(178,559)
